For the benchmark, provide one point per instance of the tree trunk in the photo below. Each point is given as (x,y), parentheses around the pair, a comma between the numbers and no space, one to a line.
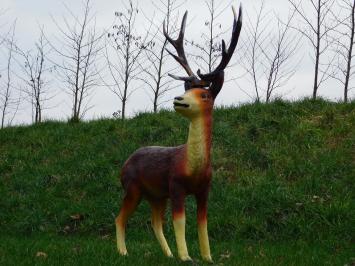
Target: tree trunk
(210,52)
(316,68)
(155,104)
(348,68)
(3,117)
(123,110)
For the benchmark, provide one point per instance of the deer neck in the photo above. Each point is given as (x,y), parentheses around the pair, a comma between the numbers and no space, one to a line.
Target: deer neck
(198,147)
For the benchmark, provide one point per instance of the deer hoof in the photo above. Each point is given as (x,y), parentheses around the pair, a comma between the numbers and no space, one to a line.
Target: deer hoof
(208,259)
(186,258)
(123,252)
(169,254)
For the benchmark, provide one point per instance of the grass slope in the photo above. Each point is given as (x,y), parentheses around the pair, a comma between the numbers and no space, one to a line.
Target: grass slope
(282,192)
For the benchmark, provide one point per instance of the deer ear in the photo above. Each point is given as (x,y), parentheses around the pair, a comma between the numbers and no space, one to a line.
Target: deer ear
(216,79)
(187,85)
(217,83)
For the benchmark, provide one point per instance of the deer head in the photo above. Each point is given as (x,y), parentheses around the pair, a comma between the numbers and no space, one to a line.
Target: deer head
(202,89)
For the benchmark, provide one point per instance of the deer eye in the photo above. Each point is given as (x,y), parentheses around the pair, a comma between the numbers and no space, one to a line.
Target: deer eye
(204,96)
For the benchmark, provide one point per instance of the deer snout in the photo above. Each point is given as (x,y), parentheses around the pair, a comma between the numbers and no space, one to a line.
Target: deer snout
(180,102)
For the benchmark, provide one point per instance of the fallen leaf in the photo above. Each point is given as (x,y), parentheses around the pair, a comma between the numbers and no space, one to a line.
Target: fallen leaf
(41,254)
(147,254)
(77,216)
(66,228)
(225,255)
(77,249)
(105,236)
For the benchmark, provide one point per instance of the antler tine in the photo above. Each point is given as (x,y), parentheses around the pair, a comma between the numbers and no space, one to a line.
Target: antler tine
(227,54)
(179,46)
(190,78)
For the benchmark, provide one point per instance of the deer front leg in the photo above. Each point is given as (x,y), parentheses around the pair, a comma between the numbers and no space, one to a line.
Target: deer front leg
(178,210)
(202,226)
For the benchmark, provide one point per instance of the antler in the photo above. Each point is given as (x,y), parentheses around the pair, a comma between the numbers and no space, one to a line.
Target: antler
(215,78)
(226,54)
(179,46)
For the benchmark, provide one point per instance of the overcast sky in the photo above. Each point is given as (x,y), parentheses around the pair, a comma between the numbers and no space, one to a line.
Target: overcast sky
(30,14)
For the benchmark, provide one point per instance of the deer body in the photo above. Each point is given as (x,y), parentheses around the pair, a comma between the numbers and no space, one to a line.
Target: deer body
(155,169)
(161,173)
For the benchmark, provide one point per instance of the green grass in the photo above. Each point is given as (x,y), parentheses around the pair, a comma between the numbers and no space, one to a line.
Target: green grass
(74,250)
(282,192)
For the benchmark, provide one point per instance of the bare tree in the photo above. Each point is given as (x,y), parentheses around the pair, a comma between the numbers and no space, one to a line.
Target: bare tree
(78,48)
(269,54)
(8,102)
(2,38)
(315,27)
(34,70)
(345,41)
(253,53)
(210,48)
(156,67)
(124,48)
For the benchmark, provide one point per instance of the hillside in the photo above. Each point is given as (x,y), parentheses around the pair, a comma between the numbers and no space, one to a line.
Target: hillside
(282,192)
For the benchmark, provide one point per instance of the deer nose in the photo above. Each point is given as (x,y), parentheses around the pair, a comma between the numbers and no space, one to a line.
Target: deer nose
(178,98)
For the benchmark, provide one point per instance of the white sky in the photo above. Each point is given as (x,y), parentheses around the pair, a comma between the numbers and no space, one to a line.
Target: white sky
(31,13)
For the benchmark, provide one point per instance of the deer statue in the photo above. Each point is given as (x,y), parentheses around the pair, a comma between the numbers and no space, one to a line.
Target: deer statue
(161,173)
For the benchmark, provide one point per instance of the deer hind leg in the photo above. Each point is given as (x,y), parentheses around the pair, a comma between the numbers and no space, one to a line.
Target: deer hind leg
(158,211)
(130,203)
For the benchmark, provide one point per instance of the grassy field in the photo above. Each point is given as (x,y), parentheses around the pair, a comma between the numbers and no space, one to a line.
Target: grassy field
(282,193)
